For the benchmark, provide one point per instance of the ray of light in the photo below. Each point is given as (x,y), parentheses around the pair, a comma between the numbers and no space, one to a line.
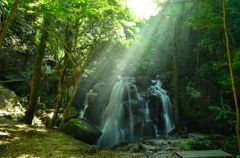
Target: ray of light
(143,9)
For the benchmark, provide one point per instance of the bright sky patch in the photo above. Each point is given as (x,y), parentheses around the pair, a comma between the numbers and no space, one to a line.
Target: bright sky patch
(143,9)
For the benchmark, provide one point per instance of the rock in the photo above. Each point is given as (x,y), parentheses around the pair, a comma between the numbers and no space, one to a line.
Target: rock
(155,142)
(136,148)
(82,130)
(149,147)
(5,134)
(171,148)
(174,131)
(197,135)
(10,106)
(146,129)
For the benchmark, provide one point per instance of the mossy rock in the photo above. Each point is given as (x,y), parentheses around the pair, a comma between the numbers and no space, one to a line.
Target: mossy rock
(82,130)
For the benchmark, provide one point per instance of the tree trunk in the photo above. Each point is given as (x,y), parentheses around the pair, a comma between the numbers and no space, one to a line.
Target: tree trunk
(67,51)
(1,16)
(60,92)
(77,76)
(7,23)
(175,78)
(67,110)
(231,74)
(36,74)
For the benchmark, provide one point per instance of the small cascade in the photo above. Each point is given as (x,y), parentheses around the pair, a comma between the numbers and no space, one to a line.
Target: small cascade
(157,131)
(147,113)
(83,111)
(166,105)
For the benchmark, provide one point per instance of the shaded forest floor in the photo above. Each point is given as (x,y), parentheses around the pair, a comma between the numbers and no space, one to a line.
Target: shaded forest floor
(22,141)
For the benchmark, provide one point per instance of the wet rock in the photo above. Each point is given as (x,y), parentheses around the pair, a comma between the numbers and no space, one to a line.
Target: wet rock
(171,148)
(136,148)
(146,129)
(82,130)
(150,147)
(196,135)
(155,142)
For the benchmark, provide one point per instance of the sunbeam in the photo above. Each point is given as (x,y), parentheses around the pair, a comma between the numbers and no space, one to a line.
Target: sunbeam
(143,9)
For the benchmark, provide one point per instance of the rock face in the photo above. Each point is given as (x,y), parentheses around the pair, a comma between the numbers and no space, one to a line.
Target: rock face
(82,130)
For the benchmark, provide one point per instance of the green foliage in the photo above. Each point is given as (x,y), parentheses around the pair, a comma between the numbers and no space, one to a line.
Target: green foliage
(192,92)
(186,145)
(224,116)
(24,74)
(201,55)
(222,73)
(215,142)
(49,72)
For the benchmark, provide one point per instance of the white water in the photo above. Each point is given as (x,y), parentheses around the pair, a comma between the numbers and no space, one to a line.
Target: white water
(111,118)
(167,107)
(156,130)
(147,113)
(127,113)
(82,112)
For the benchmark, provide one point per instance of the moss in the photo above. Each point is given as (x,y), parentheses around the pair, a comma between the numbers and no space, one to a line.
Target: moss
(31,142)
(186,145)
(82,130)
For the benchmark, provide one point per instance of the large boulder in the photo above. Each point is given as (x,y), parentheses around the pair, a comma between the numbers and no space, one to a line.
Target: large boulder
(82,130)
(10,106)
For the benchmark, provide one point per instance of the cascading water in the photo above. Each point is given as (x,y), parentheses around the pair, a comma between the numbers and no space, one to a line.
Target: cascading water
(82,112)
(147,114)
(157,89)
(122,114)
(129,117)
(112,134)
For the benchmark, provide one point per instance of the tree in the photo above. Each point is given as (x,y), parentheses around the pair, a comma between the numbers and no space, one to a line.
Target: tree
(231,74)
(100,22)
(7,23)
(37,73)
(175,77)
(46,10)
(62,75)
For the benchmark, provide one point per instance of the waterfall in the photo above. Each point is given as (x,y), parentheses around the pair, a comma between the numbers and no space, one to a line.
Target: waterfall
(82,112)
(147,113)
(121,114)
(129,116)
(167,107)
(112,134)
